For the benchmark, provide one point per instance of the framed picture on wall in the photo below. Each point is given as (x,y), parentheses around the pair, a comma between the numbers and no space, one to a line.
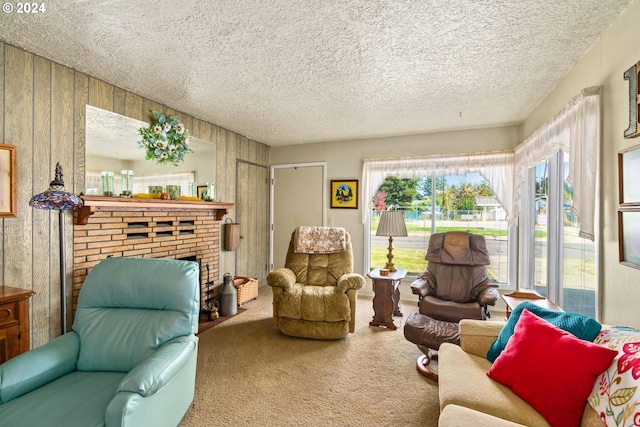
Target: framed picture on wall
(344,193)
(8,196)
(629,237)
(629,176)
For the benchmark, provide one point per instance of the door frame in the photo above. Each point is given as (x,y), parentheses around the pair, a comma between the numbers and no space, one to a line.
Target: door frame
(272,172)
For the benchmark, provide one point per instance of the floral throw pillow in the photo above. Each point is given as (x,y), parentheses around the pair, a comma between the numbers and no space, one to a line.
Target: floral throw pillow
(615,395)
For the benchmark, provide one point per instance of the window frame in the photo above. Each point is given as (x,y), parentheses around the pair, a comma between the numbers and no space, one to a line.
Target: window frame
(555,234)
(512,239)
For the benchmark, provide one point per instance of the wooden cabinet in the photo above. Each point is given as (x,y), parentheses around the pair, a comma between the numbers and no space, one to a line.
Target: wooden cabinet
(14,321)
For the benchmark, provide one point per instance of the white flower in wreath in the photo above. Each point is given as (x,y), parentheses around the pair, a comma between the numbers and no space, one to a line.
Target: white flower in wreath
(180,128)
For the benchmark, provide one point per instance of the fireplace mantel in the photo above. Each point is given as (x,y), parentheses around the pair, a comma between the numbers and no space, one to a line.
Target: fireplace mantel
(95,203)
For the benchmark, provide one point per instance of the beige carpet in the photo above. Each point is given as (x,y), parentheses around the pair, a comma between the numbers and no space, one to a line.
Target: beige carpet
(251,375)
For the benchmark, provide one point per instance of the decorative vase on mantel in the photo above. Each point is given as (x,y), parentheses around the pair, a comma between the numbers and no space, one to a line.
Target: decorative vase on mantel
(173,191)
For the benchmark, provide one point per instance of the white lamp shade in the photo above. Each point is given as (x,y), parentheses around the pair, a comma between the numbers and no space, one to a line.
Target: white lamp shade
(392,224)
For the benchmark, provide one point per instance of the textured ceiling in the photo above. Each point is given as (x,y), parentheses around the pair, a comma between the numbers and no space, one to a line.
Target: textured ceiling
(299,71)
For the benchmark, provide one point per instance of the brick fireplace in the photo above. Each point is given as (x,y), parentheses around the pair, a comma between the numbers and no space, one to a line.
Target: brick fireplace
(146,228)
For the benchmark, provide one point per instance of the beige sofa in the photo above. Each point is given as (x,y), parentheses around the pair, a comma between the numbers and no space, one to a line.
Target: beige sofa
(468,397)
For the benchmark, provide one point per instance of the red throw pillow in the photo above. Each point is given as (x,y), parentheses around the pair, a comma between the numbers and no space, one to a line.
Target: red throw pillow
(550,369)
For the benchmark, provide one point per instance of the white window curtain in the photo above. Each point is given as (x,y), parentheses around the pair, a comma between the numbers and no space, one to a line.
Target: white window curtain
(495,167)
(575,130)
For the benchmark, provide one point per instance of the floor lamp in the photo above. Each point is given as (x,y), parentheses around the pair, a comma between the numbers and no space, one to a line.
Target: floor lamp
(56,198)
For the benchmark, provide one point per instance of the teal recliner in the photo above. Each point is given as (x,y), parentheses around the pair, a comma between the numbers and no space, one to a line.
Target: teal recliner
(130,359)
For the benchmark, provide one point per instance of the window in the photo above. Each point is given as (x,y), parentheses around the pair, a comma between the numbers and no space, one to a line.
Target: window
(430,209)
(435,204)
(557,220)
(564,263)
(579,259)
(540,227)
(562,212)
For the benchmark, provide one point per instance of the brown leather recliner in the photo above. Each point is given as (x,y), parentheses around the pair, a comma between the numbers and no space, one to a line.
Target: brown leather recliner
(453,287)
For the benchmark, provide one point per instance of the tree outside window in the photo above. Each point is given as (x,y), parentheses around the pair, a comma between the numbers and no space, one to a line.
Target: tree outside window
(463,203)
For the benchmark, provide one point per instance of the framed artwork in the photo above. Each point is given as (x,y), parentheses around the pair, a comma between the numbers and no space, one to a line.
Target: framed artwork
(202,192)
(344,193)
(629,237)
(8,196)
(629,176)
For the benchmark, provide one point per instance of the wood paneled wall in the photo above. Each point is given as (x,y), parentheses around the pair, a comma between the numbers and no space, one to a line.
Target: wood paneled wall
(42,113)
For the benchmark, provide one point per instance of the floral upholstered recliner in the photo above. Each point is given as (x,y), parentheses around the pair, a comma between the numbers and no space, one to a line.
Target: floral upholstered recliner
(314,295)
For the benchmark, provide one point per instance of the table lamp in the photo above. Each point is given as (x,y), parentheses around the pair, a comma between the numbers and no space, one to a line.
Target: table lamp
(391,224)
(56,198)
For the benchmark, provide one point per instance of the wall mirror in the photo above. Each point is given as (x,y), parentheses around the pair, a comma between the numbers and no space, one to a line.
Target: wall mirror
(112,146)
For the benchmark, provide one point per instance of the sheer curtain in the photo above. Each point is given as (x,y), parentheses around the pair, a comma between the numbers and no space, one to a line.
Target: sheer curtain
(575,130)
(495,167)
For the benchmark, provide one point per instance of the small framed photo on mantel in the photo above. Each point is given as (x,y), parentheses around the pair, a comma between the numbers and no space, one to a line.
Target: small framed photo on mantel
(344,193)
(202,192)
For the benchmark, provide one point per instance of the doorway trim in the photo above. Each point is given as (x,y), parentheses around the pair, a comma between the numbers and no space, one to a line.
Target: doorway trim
(273,168)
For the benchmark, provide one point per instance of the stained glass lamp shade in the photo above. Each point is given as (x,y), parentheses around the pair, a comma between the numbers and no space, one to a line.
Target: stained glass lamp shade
(56,198)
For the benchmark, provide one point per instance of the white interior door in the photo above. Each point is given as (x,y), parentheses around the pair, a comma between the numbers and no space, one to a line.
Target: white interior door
(297,199)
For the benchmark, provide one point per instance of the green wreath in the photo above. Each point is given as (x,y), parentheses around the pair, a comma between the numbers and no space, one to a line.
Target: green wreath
(165,140)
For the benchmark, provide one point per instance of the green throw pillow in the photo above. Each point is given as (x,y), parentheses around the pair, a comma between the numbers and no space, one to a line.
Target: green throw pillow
(583,327)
